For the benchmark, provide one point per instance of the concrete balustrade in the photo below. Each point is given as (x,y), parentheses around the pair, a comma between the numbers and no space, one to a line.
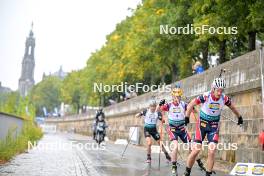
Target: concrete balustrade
(10,122)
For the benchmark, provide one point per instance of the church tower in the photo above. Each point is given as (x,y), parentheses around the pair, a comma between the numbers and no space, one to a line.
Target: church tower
(26,80)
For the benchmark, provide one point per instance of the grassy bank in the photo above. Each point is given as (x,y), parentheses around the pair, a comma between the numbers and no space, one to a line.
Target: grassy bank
(14,144)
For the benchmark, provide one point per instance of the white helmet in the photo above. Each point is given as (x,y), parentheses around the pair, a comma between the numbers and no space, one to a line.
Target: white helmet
(152,103)
(219,83)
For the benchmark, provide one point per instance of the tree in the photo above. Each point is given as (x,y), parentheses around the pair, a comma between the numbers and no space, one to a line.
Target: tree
(13,103)
(136,51)
(46,93)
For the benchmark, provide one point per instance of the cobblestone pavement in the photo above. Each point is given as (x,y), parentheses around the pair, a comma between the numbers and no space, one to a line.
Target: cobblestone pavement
(76,155)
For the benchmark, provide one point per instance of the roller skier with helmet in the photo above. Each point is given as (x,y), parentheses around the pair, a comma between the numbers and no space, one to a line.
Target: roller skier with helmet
(212,103)
(151,117)
(176,124)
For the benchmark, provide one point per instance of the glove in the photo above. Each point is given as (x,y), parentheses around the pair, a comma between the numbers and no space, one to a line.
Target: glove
(162,102)
(240,120)
(187,120)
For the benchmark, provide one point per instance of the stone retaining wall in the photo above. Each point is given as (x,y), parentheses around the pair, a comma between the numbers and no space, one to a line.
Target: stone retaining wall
(243,85)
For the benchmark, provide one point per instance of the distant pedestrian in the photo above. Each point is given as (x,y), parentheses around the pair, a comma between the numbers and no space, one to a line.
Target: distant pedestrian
(197,68)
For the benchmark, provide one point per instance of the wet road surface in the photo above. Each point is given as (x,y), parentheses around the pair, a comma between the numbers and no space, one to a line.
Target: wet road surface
(76,155)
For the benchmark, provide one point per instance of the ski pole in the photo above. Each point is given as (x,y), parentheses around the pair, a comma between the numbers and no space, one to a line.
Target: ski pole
(160,141)
(232,120)
(128,143)
(160,148)
(221,72)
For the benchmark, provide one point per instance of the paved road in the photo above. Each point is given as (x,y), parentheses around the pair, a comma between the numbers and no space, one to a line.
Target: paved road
(76,155)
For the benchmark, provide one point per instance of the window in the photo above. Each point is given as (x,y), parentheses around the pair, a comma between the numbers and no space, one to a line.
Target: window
(29,50)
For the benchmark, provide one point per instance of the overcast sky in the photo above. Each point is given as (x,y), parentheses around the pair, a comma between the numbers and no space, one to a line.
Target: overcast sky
(66,33)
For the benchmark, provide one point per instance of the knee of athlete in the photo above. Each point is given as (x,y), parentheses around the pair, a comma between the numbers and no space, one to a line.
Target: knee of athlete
(149,142)
(211,152)
(196,147)
(195,151)
(175,145)
(212,147)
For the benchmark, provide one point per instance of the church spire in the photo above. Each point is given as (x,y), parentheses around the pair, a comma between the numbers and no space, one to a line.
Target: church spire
(26,80)
(31,34)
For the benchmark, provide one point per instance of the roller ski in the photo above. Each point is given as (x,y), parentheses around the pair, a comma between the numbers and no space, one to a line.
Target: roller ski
(174,170)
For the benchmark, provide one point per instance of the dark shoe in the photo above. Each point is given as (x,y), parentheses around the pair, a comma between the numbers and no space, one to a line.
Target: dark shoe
(187,172)
(201,165)
(208,173)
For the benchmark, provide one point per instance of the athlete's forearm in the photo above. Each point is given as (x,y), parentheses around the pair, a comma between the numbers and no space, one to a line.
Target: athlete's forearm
(234,110)
(166,121)
(158,109)
(190,108)
(138,115)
